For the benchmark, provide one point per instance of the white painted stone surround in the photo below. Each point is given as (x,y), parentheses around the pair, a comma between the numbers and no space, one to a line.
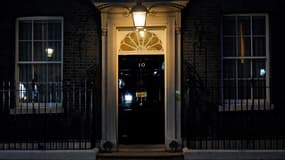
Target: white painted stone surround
(163,17)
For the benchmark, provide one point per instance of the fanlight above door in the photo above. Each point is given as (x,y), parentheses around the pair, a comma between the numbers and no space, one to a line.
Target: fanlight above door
(141,41)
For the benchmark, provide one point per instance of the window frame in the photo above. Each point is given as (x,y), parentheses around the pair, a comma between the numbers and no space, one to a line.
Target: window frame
(37,107)
(246,104)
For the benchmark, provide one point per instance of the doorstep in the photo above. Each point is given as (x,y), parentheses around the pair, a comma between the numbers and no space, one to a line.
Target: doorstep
(140,154)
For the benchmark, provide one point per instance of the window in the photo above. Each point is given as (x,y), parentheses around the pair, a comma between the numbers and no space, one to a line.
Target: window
(39,62)
(245,61)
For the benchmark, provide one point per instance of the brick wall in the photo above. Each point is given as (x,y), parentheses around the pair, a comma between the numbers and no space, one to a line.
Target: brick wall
(201,41)
(81,35)
(82,42)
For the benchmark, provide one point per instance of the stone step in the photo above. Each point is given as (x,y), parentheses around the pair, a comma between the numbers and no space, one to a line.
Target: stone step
(142,147)
(140,155)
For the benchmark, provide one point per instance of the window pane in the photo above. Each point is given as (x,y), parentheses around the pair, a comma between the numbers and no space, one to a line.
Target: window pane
(229,25)
(258,25)
(53,51)
(259,89)
(41,72)
(25,51)
(47,72)
(40,30)
(229,89)
(39,92)
(54,30)
(25,82)
(259,69)
(39,51)
(26,93)
(33,84)
(54,72)
(48,93)
(244,46)
(229,47)
(25,73)
(25,30)
(244,25)
(243,68)
(229,69)
(259,46)
(47,51)
(34,92)
(53,92)
(244,89)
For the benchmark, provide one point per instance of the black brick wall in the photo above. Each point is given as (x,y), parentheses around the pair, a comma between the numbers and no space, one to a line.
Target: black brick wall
(201,40)
(81,35)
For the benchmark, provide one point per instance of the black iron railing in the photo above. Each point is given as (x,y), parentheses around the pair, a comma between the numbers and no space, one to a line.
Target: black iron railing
(60,115)
(219,117)
(68,117)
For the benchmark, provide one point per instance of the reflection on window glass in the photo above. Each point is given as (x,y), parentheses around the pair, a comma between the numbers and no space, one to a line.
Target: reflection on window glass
(128,98)
(22,92)
(259,69)
(121,83)
(262,72)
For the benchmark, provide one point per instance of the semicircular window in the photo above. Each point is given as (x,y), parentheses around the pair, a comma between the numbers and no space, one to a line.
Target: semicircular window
(141,41)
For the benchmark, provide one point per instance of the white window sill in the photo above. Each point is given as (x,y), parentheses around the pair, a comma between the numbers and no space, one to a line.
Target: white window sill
(245,107)
(37,108)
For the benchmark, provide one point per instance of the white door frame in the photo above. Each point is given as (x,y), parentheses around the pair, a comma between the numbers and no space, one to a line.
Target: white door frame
(112,19)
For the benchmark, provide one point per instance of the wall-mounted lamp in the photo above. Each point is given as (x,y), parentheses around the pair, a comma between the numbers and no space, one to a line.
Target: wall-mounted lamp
(139,15)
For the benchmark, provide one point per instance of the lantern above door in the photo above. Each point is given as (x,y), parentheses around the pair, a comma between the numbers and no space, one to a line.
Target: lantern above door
(139,13)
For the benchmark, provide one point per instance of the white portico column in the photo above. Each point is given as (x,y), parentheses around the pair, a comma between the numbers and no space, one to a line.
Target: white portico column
(173,80)
(104,75)
(108,106)
(170,106)
(163,18)
(178,75)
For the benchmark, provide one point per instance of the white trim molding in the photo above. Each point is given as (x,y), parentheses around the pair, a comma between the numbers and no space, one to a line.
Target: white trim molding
(163,17)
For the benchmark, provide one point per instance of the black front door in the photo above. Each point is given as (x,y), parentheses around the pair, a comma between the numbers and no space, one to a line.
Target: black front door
(141,99)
